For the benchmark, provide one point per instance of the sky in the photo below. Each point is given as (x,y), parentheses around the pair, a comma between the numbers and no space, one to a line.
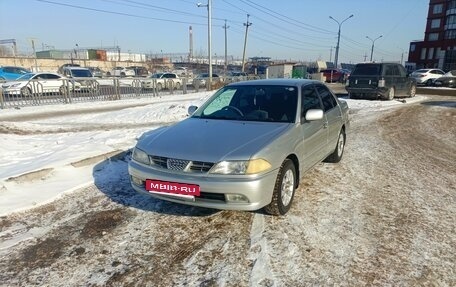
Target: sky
(42,145)
(297,30)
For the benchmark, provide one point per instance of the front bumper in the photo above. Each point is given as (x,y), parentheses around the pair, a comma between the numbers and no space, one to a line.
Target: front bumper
(215,190)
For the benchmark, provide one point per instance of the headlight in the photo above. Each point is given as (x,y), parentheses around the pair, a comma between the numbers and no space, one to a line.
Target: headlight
(241,167)
(140,156)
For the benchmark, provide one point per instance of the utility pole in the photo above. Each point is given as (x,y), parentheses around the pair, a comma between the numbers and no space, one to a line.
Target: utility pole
(373,43)
(336,59)
(34,53)
(247,25)
(226,47)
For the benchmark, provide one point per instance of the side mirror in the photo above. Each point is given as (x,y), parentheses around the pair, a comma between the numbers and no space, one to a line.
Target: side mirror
(191,110)
(314,115)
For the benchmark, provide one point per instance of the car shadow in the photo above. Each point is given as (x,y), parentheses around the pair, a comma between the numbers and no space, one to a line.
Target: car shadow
(447,104)
(111,178)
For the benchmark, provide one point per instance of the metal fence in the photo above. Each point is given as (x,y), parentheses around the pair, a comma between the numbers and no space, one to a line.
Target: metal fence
(77,90)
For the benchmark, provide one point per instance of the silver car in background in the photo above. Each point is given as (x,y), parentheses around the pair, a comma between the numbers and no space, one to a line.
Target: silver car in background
(245,148)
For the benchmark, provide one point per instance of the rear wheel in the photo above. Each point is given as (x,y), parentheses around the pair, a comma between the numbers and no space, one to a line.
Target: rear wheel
(412,91)
(177,86)
(391,94)
(284,189)
(428,82)
(63,90)
(338,152)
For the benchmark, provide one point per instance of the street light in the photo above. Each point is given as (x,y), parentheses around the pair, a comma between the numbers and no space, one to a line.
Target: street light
(373,42)
(338,37)
(209,32)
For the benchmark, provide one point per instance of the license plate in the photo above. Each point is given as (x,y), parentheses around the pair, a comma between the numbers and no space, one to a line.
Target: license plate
(172,187)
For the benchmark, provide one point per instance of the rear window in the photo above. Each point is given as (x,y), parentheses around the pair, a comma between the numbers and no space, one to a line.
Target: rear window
(367,69)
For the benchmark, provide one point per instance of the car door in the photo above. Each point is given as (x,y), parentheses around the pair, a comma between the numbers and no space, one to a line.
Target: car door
(312,148)
(332,116)
(50,82)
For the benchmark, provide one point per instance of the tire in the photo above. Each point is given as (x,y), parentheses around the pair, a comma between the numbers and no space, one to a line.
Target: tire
(108,74)
(122,75)
(26,92)
(391,94)
(62,90)
(284,189)
(412,91)
(177,86)
(159,87)
(338,152)
(428,82)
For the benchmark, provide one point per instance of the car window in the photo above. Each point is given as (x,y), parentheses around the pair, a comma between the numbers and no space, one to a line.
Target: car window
(309,100)
(53,77)
(367,69)
(327,98)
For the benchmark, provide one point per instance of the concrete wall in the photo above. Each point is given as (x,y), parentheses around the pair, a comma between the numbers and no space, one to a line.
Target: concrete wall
(51,65)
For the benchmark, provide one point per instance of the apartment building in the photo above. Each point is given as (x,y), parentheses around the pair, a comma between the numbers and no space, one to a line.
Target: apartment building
(438,49)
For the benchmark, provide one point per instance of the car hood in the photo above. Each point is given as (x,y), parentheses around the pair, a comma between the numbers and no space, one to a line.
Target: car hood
(16,84)
(211,140)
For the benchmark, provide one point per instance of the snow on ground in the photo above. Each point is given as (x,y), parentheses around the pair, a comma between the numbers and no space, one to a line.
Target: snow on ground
(53,137)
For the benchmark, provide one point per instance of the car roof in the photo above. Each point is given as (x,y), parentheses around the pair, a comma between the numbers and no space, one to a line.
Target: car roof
(276,82)
(75,68)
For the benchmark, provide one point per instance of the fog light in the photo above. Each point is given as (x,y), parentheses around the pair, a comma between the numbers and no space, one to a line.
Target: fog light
(237,198)
(137,181)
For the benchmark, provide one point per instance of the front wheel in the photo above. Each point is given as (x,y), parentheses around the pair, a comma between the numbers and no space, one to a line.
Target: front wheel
(177,86)
(284,189)
(26,92)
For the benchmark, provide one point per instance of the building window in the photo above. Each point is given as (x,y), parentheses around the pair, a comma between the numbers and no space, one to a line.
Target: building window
(450,34)
(438,8)
(435,23)
(423,54)
(431,54)
(452,5)
(412,48)
(433,36)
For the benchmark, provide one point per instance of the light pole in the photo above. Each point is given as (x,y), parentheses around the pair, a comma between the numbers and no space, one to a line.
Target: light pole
(209,32)
(373,42)
(336,58)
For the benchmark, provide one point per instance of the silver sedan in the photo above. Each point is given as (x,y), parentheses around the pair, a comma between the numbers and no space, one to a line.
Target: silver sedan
(245,148)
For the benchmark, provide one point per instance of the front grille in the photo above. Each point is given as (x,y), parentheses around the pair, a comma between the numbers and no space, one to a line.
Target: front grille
(181,165)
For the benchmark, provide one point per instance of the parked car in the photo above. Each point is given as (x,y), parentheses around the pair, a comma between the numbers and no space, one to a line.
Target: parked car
(447,80)
(139,71)
(39,83)
(334,75)
(8,73)
(426,76)
(245,148)
(60,69)
(162,81)
(96,72)
(201,79)
(83,76)
(380,80)
(121,72)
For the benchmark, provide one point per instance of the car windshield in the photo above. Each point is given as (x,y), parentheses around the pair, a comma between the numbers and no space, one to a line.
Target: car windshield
(81,73)
(367,69)
(252,103)
(156,76)
(25,77)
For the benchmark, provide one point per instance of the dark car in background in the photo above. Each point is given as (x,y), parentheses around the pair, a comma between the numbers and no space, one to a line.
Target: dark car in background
(380,80)
(139,71)
(447,80)
(8,73)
